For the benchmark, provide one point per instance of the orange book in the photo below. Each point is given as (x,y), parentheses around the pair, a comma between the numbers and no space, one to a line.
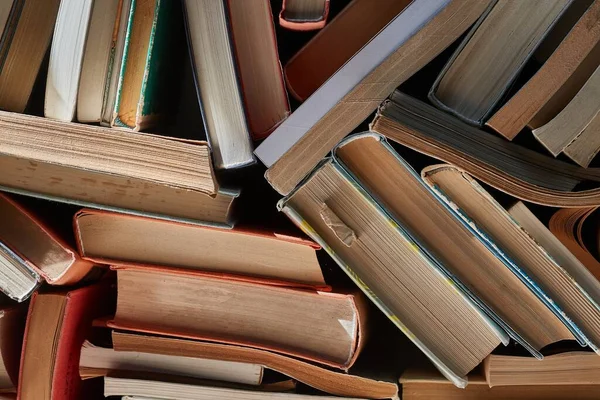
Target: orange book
(47,253)
(322,327)
(304,15)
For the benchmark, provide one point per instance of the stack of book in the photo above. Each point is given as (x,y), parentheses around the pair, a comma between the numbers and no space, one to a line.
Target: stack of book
(436,165)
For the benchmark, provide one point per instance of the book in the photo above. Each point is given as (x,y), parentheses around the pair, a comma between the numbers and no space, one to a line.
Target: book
(508,167)
(304,15)
(18,279)
(47,252)
(475,78)
(537,255)
(145,389)
(152,299)
(412,39)
(114,238)
(148,64)
(414,289)
(115,63)
(25,41)
(219,92)
(57,324)
(319,377)
(5,9)
(98,361)
(568,368)
(552,76)
(563,224)
(259,69)
(66,59)
(332,47)
(12,325)
(424,385)
(107,168)
(574,129)
(100,40)
(507,294)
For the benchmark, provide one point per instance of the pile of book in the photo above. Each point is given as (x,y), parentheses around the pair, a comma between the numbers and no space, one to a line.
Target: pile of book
(451,250)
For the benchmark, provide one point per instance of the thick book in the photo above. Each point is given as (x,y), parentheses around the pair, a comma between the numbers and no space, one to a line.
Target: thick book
(321,378)
(143,389)
(23,48)
(48,253)
(332,47)
(219,92)
(566,368)
(108,168)
(413,288)
(304,15)
(56,327)
(66,59)
(529,248)
(508,167)
(241,311)
(96,361)
(426,385)
(113,238)
(259,70)
(417,35)
(18,277)
(492,55)
(552,78)
(148,63)
(100,42)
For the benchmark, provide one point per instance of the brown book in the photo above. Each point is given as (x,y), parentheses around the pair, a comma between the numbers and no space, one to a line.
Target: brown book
(23,49)
(418,385)
(413,38)
(401,274)
(304,15)
(564,224)
(113,238)
(261,78)
(540,257)
(523,106)
(49,254)
(491,57)
(241,312)
(109,168)
(12,326)
(331,48)
(325,379)
(508,167)
(569,368)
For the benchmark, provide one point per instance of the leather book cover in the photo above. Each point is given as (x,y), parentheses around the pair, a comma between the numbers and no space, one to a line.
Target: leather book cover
(303,25)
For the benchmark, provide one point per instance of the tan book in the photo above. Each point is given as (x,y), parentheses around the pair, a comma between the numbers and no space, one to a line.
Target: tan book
(523,106)
(417,35)
(241,311)
(114,238)
(574,129)
(261,78)
(569,368)
(419,385)
(31,25)
(331,48)
(558,277)
(110,169)
(322,378)
(390,263)
(96,361)
(490,58)
(506,166)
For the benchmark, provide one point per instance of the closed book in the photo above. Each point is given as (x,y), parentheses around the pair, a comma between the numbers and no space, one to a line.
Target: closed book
(12,325)
(422,30)
(49,253)
(236,311)
(56,327)
(304,15)
(114,238)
